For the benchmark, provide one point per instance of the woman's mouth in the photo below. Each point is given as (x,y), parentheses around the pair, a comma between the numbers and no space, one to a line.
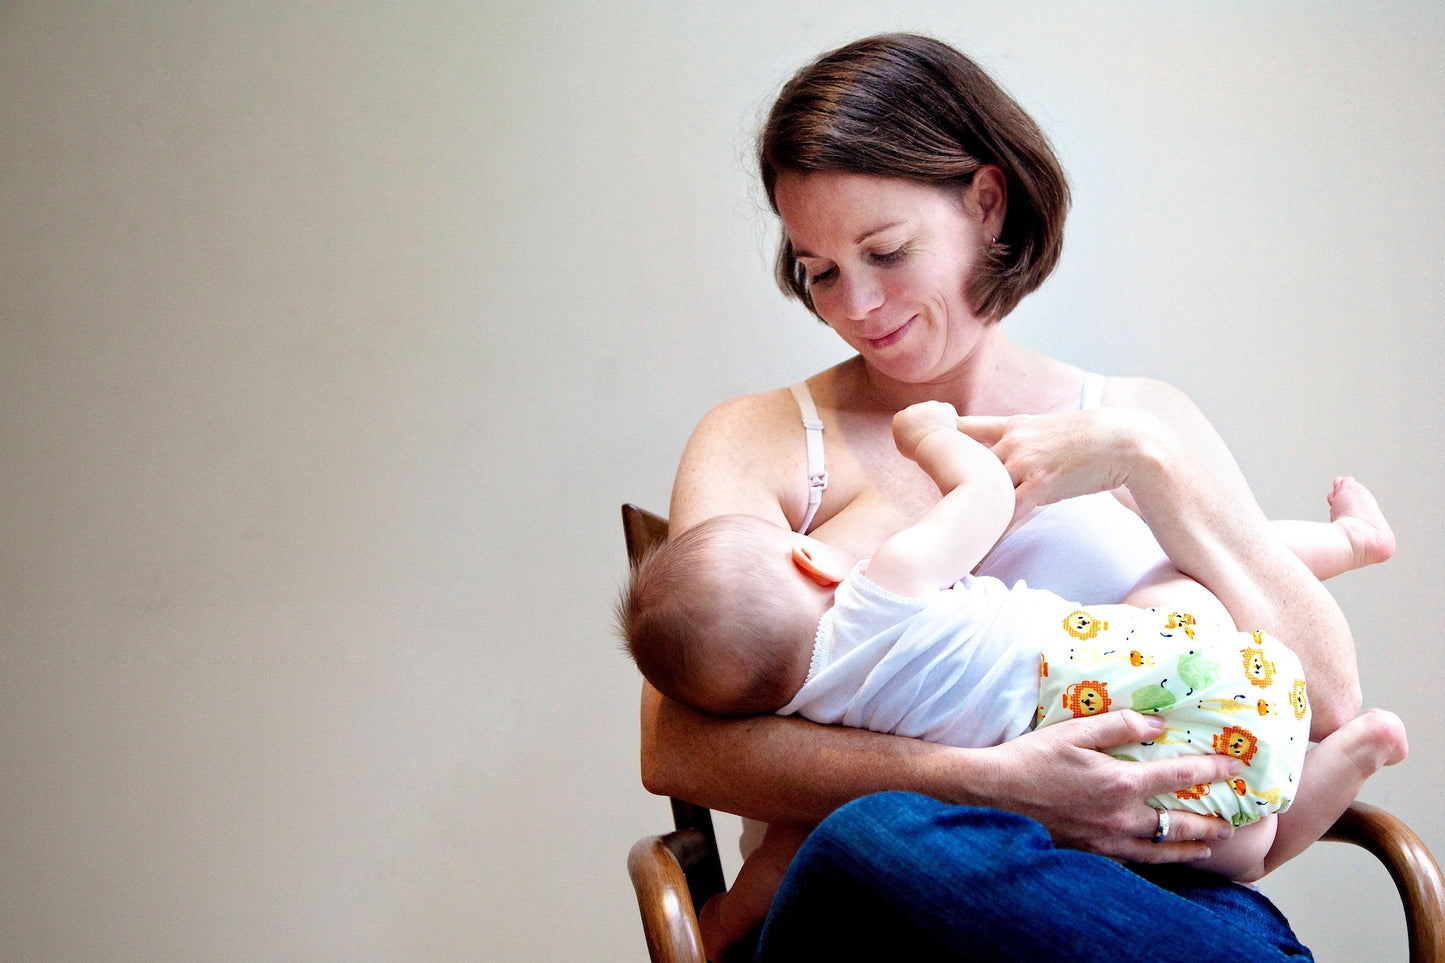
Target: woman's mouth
(892,337)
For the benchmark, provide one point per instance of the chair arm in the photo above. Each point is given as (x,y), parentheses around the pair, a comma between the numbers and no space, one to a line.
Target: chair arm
(1414,870)
(669,919)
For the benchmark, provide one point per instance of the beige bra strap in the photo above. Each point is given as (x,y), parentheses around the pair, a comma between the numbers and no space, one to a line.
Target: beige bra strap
(817,475)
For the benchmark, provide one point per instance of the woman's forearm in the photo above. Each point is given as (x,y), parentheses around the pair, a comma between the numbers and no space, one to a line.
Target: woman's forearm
(780,769)
(1226,545)
(788,770)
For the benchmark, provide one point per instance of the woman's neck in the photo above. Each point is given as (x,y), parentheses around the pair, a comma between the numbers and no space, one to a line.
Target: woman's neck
(998,377)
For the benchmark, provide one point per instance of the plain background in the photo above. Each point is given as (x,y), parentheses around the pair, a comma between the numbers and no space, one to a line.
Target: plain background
(333,335)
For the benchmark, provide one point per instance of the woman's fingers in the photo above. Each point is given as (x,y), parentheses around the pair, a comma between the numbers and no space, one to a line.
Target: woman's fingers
(986,429)
(1189,834)
(1187,840)
(1113,729)
(1055,456)
(1156,777)
(1164,776)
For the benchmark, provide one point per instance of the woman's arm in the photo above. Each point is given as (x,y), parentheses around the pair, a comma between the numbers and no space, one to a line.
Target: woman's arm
(1202,515)
(1270,587)
(789,770)
(1226,544)
(772,768)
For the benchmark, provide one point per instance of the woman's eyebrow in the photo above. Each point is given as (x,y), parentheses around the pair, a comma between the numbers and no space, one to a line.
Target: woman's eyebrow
(800,252)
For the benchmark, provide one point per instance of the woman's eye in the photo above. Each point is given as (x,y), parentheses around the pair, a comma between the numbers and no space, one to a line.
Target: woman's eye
(822,277)
(891,257)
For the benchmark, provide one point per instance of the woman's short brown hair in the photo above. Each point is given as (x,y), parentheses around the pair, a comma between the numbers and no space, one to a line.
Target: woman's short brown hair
(901,105)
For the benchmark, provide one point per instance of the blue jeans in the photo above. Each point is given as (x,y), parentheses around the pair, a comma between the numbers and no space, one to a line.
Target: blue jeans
(900,876)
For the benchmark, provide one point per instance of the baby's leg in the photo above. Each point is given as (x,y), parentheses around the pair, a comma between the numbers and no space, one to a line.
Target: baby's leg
(729,917)
(1242,856)
(1356,535)
(1332,776)
(1334,770)
(1169,590)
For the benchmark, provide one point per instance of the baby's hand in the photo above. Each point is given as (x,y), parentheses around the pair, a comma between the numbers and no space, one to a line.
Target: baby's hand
(916,422)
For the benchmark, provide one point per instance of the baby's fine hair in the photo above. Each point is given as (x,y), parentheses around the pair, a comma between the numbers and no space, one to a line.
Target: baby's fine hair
(705,599)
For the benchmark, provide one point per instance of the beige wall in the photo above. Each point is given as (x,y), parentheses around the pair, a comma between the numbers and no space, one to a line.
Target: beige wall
(332,336)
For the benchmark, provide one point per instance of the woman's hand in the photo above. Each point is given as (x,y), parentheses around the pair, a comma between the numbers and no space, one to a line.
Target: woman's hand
(1088,800)
(1057,456)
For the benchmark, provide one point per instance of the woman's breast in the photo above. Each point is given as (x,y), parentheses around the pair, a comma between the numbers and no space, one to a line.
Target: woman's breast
(1089,549)
(869,499)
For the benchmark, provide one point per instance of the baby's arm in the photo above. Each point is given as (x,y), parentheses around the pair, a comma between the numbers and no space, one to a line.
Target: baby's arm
(954,535)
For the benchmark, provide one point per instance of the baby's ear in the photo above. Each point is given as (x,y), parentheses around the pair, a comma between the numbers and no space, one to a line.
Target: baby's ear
(819,563)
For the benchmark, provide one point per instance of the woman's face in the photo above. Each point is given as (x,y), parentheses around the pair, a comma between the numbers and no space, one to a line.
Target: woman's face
(888,261)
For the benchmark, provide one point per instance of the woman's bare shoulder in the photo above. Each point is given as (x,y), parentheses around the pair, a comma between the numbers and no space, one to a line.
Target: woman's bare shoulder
(1149,394)
(771,404)
(747,425)
(747,454)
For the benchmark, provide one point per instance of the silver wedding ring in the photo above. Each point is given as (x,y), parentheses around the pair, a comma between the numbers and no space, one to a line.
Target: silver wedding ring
(1161,832)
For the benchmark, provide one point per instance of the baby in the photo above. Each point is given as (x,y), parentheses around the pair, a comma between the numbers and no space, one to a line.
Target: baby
(739,616)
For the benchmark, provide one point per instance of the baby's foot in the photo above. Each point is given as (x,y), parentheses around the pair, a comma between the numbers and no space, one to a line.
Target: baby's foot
(1354,510)
(1373,740)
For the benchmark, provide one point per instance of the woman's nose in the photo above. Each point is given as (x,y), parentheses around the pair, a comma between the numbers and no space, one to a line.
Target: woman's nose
(861,296)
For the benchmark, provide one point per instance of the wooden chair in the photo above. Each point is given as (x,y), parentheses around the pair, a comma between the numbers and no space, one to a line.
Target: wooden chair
(676,872)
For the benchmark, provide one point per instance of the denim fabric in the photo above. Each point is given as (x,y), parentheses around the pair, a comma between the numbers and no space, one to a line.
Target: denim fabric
(900,876)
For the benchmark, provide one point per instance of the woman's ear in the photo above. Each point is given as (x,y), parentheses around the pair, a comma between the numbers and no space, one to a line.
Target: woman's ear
(822,566)
(987,197)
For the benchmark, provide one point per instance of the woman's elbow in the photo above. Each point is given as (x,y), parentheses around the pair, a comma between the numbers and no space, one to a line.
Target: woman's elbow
(658,775)
(1329,712)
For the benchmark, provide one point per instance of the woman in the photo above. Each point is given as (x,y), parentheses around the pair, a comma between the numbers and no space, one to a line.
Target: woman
(919,204)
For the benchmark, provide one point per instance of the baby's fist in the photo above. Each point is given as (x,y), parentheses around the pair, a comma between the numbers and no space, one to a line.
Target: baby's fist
(914,423)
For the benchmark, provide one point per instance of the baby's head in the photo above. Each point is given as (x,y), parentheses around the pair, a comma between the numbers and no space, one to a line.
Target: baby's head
(722,618)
